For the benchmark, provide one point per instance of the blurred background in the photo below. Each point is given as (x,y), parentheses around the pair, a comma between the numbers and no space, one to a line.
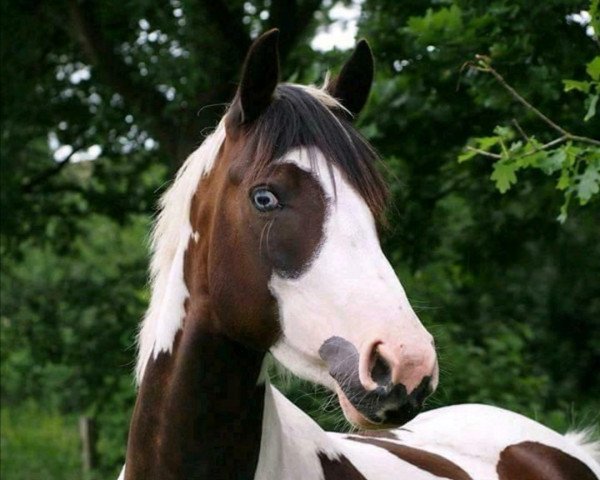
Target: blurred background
(494,224)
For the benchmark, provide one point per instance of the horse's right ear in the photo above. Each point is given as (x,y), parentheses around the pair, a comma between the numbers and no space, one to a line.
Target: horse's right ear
(351,87)
(260,76)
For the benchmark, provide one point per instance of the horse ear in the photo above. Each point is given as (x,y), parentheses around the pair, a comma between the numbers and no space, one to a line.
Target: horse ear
(260,76)
(351,87)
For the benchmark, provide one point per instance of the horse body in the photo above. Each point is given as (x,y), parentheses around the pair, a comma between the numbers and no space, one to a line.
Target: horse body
(451,442)
(267,242)
(460,442)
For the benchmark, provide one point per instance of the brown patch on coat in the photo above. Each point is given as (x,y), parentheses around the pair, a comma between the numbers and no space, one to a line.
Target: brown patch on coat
(535,461)
(339,469)
(144,439)
(430,462)
(199,411)
(378,434)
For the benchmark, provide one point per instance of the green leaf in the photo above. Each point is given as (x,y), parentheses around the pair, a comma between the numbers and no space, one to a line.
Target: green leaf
(591,107)
(595,14)
(589,183)
(553,161)
(485,143)
(481,143)
(572,151)
(562,218)
(506,133)
(593,68)
(515,146)
(370,131)
(466,155)
(532,160)
(504,175)
(576,85)
(564,181)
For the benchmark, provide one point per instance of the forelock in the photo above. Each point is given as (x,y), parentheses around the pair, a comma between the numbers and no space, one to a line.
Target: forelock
(306,116)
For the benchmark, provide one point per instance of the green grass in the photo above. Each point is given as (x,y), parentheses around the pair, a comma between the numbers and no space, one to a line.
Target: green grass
(38,445)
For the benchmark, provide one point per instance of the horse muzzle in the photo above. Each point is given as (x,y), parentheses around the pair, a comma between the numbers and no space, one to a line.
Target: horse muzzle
(377,389)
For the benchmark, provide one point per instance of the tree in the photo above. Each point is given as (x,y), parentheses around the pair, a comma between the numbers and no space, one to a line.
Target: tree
(141,86)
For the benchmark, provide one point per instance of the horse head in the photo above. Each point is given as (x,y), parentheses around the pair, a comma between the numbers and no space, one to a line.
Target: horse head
(289,251)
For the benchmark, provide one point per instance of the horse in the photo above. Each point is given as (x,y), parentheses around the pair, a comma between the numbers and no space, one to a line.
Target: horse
(267,243)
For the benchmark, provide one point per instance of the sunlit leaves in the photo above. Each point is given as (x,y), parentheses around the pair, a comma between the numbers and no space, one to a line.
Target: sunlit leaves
(588,182)
(576,157)
(593,68)
(504,175)
(591,102)
(579,166)
(576,85)
(590,87)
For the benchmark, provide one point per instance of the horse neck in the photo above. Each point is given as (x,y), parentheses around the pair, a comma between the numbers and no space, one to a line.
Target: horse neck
(199,409)
(293,446)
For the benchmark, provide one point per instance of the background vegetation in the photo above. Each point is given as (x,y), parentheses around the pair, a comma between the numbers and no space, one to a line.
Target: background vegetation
(101,101)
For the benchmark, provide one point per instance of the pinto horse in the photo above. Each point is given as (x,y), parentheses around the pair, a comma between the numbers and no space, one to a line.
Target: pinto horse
(267,242)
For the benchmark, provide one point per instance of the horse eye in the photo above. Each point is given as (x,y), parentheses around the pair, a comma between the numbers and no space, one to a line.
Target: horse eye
(264,200)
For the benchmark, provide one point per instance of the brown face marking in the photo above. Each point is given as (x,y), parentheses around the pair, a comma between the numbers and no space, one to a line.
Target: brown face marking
(288,238)
(339,469)
(535,461)
(240,247)
(430,462)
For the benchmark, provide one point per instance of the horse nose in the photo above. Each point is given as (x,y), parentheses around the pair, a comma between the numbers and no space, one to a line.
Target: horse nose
(386,382)
(390,363)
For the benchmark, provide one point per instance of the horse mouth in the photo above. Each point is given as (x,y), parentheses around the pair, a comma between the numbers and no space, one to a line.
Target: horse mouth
(354,416)
(390,417)
(381,407)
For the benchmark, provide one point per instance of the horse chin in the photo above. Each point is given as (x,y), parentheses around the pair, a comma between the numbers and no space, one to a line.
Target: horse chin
(354,416)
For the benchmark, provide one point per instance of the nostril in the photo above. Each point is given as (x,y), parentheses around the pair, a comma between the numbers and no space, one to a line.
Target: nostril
(381,372)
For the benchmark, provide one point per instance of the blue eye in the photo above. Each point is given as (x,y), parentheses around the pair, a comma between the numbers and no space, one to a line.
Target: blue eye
(264,200)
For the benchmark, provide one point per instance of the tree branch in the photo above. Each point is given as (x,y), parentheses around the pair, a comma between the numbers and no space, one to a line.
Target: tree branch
(485,153)
(545,146)
(520,129)
(44,176)
(483,64)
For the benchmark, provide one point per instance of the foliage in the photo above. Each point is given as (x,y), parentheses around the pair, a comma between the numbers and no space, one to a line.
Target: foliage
(577,159)
(481,264)
(511,295)
(68,324)
(38,444)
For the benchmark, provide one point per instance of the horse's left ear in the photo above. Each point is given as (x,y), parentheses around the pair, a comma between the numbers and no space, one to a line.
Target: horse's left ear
(260,76)
(351,87)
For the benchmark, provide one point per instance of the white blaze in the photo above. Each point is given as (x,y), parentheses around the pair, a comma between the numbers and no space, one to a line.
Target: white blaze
(348,290)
